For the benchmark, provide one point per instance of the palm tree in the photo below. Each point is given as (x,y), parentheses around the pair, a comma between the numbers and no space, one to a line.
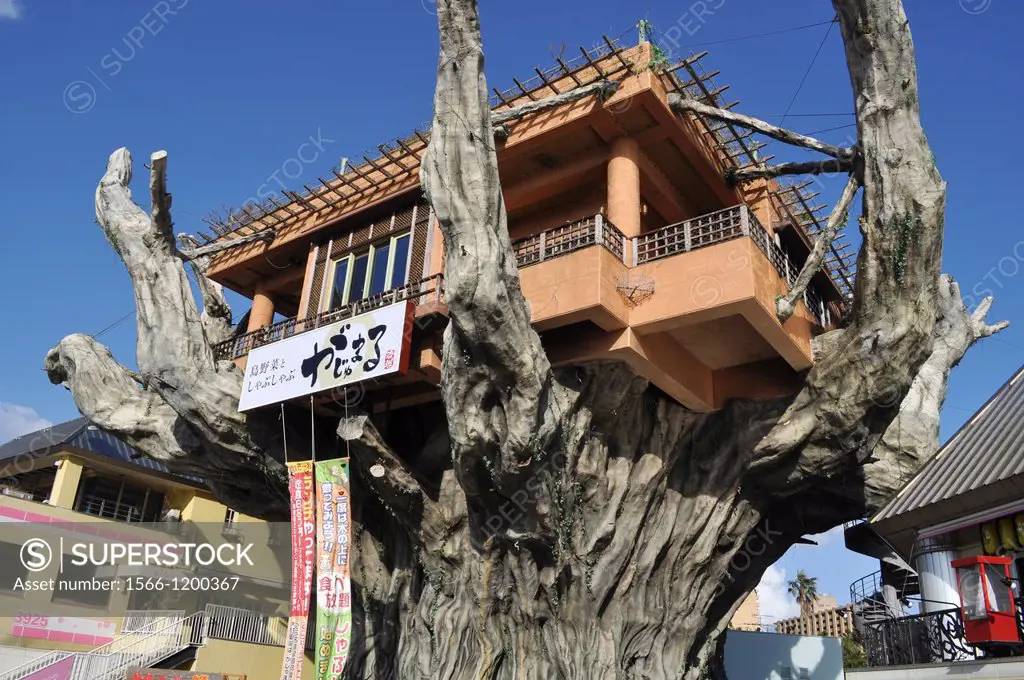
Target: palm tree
(804,590)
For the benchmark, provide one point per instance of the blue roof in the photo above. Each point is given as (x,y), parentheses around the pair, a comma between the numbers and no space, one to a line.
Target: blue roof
(82,435)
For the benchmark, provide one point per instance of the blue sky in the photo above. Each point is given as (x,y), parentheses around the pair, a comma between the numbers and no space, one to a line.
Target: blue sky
(232,90)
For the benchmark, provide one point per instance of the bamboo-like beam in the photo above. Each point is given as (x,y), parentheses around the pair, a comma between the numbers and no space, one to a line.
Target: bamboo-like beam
(681,104)
(786,304)
(267,236)
(603,88)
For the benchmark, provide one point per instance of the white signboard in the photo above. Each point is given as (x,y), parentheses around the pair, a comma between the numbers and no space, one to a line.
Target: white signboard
(348,351)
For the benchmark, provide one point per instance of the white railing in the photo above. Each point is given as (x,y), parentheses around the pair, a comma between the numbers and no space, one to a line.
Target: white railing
(136,620)
(141,648)
(242,625)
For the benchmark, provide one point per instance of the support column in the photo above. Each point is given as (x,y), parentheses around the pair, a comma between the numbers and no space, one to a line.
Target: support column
(65,484)
(936,575)
(262,313)
(624,186)
(260,316)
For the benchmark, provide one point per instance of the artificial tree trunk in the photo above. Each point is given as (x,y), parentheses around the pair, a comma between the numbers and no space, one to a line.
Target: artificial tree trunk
(575,522)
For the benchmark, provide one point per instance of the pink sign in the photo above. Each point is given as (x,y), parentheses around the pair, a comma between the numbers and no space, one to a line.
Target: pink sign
(77,631)
(60,670)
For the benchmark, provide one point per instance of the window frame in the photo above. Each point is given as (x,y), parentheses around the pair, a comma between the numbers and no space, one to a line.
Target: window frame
(370,252)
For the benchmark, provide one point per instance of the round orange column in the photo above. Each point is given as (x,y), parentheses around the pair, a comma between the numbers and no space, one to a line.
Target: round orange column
(624,186)
(262,313)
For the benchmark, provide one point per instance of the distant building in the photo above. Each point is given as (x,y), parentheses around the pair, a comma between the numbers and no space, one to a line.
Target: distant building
(748,616)
(822,617)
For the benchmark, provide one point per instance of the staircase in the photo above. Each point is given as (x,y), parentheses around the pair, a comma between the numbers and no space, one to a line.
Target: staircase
(146,646)
(885,593)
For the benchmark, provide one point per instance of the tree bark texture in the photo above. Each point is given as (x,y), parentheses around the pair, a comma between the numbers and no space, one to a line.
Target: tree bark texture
(564,523)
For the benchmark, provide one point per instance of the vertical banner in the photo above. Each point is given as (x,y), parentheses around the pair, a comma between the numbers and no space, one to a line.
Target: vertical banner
(334,587)
(300,486)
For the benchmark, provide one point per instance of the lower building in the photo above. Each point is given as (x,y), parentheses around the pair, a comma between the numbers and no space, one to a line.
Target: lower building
(748,616)
(966,502)
(822,617)
(76,483)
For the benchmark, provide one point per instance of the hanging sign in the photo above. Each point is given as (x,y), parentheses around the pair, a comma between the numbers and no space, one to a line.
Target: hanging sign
(357,348)
(333,583)
(300,486)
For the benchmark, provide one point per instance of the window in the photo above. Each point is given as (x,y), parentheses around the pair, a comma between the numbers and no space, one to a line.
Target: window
(118,499)
(383,266)
(11,569)
(80,585)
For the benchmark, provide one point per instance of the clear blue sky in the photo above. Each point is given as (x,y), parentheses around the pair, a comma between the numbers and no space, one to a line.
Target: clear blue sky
(232,89)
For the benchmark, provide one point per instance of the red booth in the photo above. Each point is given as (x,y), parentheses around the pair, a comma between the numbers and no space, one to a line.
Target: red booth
(986,600)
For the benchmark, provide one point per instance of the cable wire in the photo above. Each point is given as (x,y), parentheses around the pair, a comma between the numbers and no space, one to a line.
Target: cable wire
(808,71)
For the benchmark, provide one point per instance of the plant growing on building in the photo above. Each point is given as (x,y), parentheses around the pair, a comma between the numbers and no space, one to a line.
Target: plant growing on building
(626,562)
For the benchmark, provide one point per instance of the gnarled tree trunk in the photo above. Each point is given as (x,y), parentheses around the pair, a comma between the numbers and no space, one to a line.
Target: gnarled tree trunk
(569,523)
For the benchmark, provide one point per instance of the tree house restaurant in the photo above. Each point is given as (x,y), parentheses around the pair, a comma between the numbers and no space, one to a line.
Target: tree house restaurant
(631,242)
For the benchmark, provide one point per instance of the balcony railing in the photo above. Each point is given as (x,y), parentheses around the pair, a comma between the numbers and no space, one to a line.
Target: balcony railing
(420,292)
(923,638)
(567,239)
(934,637)
(700,232)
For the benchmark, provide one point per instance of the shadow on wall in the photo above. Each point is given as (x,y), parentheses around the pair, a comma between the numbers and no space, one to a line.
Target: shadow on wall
(773,656)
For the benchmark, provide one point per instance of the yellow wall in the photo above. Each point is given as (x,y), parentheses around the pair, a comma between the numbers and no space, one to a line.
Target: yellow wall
(256,662)
(195,506)
(65,484)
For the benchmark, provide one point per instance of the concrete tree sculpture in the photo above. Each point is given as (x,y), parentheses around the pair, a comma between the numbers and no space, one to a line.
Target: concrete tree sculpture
(640,525)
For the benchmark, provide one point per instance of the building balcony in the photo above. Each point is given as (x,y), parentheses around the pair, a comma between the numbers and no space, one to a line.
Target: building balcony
(931,638)
(688,305)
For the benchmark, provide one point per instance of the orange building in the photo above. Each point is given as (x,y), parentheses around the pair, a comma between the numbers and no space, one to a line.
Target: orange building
(631,244)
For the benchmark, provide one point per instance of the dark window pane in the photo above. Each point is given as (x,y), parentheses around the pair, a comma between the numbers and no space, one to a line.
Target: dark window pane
(73,586)
(355,291)
(401,269)
(379,278)
(340,276)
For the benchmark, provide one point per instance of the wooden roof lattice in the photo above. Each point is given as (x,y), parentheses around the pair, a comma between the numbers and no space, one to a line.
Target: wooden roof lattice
(397,159)
(690,79)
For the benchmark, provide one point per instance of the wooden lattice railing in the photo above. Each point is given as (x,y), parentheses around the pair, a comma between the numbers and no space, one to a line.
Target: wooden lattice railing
(718,227)
(567,239)
(699,232)
(426,290)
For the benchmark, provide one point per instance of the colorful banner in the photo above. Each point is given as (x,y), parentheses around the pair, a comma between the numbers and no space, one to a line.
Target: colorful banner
(300,485)
(348,351)
(333,583)
(162,674)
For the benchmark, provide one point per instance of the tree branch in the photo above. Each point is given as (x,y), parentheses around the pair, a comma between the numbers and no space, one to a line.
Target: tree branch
(267,236)
(216,316)
(683,105)
(853,392)
(495,374)
(161,200)
(603,88)
(786,305)
(398,487)
(835,165)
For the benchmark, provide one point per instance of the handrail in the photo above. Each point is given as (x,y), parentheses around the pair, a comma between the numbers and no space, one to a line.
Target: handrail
(683,237)
(140,648)
(234,348)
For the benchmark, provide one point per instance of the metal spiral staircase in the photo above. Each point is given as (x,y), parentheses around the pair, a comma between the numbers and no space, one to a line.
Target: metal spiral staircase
(885,593)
